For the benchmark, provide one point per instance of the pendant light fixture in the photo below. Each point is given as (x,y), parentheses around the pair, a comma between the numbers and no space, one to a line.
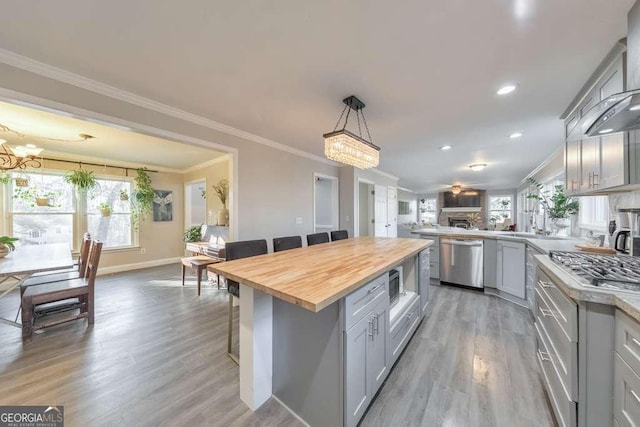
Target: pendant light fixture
(348,148)
(456,189)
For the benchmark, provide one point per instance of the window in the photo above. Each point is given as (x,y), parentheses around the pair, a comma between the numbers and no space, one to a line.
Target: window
(594,213)
(49,210)
(500,208)
(115,229)
(429,210)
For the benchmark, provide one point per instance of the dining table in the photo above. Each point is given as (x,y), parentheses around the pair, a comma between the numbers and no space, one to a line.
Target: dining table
(27,260)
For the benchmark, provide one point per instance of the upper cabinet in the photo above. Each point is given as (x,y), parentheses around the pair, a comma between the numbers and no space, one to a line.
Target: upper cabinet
(598,163)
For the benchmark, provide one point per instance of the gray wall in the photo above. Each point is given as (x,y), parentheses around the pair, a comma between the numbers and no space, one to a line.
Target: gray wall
(274,186)
(363,214)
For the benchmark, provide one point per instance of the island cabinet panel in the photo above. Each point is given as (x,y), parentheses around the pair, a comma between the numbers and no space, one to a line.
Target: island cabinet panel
(511,268)
(359,303)
(424,278)
(402,330)
(366,361)
(626,388)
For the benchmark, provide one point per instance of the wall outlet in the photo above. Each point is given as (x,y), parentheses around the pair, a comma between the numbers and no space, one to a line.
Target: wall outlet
(298,220)
(143,251)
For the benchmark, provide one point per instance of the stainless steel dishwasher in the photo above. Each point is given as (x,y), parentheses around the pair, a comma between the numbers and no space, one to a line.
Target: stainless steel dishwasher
(461,262)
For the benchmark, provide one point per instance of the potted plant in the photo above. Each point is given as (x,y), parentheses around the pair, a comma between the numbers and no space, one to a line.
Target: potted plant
(193,234)
(7,245)
(82,179)
(5,178)
(124,196)
(222,191)
(142,202)
(474,219)
(105,209)
(559,206)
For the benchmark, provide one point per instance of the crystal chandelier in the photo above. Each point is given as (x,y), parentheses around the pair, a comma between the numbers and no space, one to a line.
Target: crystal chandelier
(456,189)
(348,148)
(18,157)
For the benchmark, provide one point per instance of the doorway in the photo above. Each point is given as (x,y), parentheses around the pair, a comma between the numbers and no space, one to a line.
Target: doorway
(325,203)
(365,208)
(195,205)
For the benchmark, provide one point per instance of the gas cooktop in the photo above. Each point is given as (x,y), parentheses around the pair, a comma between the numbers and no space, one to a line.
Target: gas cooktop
(604,271)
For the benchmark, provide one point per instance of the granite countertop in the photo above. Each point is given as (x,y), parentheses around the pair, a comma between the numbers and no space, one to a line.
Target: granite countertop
(627,301)
(544,245)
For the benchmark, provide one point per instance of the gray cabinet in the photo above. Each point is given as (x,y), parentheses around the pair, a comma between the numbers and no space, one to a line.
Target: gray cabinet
(511,268)
(425,278)
(366,360)
(434,256)
(626,382)
(531,277)
(572,161)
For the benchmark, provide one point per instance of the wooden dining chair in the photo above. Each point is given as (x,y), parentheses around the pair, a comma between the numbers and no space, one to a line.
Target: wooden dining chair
(46,299)
(286,243)
(339,235)
(59,275)
(317,238)
(238,250)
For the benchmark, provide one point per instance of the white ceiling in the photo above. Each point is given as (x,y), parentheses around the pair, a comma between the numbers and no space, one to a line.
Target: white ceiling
(428,70)
(110,144)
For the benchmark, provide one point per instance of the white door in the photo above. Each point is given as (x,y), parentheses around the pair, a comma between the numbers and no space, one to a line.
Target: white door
(380,211)
(392,212)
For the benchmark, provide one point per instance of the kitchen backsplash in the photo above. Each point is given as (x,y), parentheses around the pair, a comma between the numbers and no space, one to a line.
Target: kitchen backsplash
(623,200)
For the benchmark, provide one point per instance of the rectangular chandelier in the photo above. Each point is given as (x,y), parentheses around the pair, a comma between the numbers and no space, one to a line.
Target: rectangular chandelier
(345,147)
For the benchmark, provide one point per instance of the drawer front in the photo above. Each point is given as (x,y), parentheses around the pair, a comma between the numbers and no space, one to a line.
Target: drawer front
(628,340)
(564,309)
(402,330)
(358,303)
(562,351)
(626,394)
(564,409)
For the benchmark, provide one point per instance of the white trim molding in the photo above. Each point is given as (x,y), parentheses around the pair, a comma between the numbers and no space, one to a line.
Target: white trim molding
(137,266)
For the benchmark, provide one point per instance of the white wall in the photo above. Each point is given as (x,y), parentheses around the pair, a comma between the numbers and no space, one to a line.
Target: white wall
(274,186)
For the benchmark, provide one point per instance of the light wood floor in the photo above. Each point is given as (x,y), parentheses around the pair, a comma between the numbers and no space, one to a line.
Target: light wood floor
(157,356)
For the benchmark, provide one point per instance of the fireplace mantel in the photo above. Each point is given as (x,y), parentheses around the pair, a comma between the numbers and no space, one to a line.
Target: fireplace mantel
(477,209)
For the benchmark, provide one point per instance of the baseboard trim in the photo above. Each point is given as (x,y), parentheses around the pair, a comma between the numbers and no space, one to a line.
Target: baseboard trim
(136,266)
(274,397)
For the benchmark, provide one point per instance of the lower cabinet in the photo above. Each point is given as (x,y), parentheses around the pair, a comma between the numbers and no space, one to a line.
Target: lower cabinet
(366,361)
(425,278)
(626,382)
(511,268)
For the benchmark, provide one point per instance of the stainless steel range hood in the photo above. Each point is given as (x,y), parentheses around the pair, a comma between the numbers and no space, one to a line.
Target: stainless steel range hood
(617,113)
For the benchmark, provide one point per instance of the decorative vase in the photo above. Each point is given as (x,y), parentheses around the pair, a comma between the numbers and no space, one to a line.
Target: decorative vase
(223,216)
(4,250)
(560,226)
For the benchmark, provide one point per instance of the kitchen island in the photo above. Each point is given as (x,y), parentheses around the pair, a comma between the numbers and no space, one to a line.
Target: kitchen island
(317,331)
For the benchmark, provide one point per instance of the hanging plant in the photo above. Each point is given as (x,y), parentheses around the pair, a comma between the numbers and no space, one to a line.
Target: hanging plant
(124,196)
(82,179)
(5,178)
(105,209)
(142,202)
(22,181)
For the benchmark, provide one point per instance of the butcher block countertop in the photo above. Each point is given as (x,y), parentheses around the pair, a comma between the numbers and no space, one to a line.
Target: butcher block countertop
(315,277)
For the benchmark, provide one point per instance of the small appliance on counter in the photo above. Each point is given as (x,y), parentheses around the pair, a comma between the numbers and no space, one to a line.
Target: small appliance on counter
(626,237)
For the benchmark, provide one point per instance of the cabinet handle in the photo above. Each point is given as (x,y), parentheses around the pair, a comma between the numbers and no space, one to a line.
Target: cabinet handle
(377,325)
(375,288)
(370,329)
(546,284)
(635,396)
(544,356)
(635,341)
(546,313)
(595,184)
(590,179)
(410,315)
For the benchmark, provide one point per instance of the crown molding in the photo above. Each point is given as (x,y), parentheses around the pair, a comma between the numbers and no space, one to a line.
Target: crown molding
(223,158)
(31,65)
(407,190)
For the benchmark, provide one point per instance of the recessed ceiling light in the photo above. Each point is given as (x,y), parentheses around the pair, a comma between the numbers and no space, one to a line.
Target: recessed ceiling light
(606,131)
(515,135)
(635,108)
(506,89)
(478,167)
(445,147)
